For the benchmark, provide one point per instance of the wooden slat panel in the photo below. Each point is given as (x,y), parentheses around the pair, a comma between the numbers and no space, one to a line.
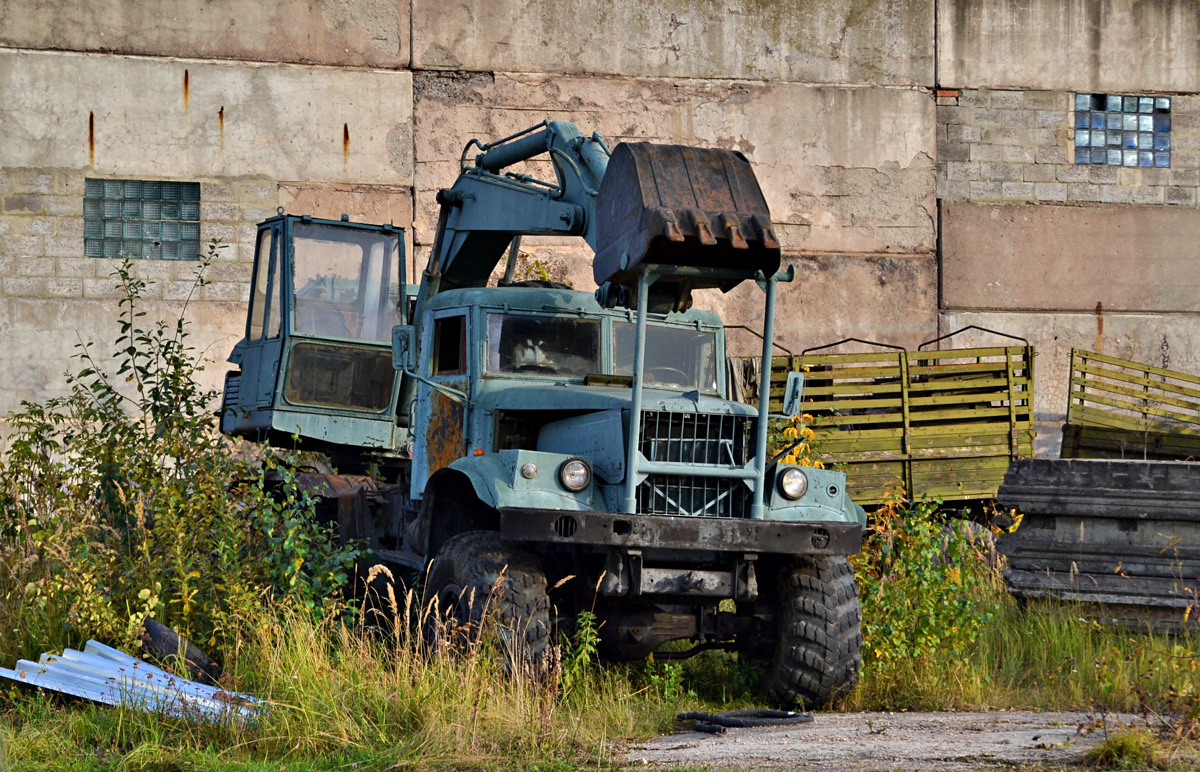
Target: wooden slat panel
(1175,374)
(1124,377)
(1084,390)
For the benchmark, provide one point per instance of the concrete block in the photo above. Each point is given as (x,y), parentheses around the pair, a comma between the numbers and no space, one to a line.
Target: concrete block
(1185,178)
(1069,258)
(1137,177)
(986,153)
(32,266)
(984,190)
(1018,154)
(1048,101)
(1103,175)
(1148,194)
(956,171)
(1003,135)
(348,32)
(65,247)
(22,246)
(975,97)
(955,191)
(70,227)
(1184,196)
(1000,172)
(213,230)
(38,226)
(1113,194)
(1020,191)
(1148,338)
(1008,99)
(62,205)
(1044,137)
(64,288)
(1083,192)
(960,133)
(954,151)
(24,286)
(215,192)
(256,191)
(1053,155)
(1050,191)
(857,41)
(1045,45)
(1073,173)
(219,212)
(226,291)
(75,267)
(23,203)
(1040,172)
(1050,119)
(31,180)
(279,122)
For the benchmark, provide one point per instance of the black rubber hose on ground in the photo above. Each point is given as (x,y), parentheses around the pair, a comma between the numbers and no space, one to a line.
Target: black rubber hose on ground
(716,723)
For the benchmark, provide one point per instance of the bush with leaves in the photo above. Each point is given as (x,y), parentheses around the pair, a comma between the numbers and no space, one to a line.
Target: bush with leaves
(121,501)
(921,579)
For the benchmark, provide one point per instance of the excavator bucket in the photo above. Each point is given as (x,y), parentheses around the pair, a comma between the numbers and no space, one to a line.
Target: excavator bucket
(673,205)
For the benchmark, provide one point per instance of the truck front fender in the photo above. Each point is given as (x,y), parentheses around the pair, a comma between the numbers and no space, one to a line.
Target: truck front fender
(468,494)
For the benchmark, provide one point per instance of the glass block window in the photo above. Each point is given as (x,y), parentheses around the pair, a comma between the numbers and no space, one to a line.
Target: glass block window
(1121,130)
(141,219)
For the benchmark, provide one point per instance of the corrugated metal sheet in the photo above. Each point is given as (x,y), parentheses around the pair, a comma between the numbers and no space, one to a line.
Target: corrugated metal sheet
(112,677)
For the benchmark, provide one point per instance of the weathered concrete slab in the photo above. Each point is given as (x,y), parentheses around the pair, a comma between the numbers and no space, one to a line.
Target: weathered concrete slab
(843,169)
(336,32)
(1164,340)
(1070,258)
(1085,45)
(811,41)
(163,119)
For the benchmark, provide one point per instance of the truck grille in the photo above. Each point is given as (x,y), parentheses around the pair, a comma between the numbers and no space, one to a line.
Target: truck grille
(691,438)
(694,438)
(663,494)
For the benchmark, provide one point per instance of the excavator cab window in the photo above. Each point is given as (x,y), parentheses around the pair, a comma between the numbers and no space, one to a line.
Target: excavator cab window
(543,345)
(347,282)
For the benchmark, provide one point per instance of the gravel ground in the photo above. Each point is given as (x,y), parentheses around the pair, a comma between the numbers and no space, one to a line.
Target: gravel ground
(841,742)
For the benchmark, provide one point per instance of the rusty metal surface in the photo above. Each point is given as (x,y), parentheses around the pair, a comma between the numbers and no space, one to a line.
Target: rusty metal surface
(444,440)
(684,533)
(672,205)
(106,675)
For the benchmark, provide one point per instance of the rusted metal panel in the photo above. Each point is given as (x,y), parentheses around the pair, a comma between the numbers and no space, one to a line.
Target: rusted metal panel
(444,439)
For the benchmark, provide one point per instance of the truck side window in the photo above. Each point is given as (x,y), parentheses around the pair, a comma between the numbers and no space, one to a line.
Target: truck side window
(450,345)
(274,310)
(258,300)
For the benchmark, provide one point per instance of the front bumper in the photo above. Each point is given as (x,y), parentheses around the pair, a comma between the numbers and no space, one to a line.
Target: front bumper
(609,529)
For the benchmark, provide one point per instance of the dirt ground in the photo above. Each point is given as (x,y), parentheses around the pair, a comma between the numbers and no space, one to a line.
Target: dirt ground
(845,742)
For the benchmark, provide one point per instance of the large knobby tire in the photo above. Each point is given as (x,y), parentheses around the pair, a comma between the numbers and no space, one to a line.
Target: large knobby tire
(818,648)
(476,578)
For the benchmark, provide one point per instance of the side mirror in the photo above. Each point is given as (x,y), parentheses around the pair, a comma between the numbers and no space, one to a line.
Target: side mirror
(793,394)
(404,347)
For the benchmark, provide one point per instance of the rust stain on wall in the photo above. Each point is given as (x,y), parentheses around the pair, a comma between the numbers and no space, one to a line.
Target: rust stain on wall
(221,121)
(91,138)
(345,144)
(1099,342)
(185,90)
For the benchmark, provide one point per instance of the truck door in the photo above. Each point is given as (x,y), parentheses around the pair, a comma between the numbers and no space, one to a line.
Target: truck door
(260,361)
(441,417)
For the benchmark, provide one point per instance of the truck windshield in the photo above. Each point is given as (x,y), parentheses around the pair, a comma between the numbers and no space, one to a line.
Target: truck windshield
(674,356)
(347,282)
(543,345)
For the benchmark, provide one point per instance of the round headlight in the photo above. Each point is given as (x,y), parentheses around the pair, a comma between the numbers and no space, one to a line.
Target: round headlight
(793,483)
(574,475)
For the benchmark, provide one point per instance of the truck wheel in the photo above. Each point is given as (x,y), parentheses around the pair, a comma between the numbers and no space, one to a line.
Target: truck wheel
(817,652)
(475,577)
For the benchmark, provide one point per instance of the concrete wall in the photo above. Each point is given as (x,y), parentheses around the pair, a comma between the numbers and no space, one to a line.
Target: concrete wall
(255,136)
(809,41)
(1115,46)
(371,33)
